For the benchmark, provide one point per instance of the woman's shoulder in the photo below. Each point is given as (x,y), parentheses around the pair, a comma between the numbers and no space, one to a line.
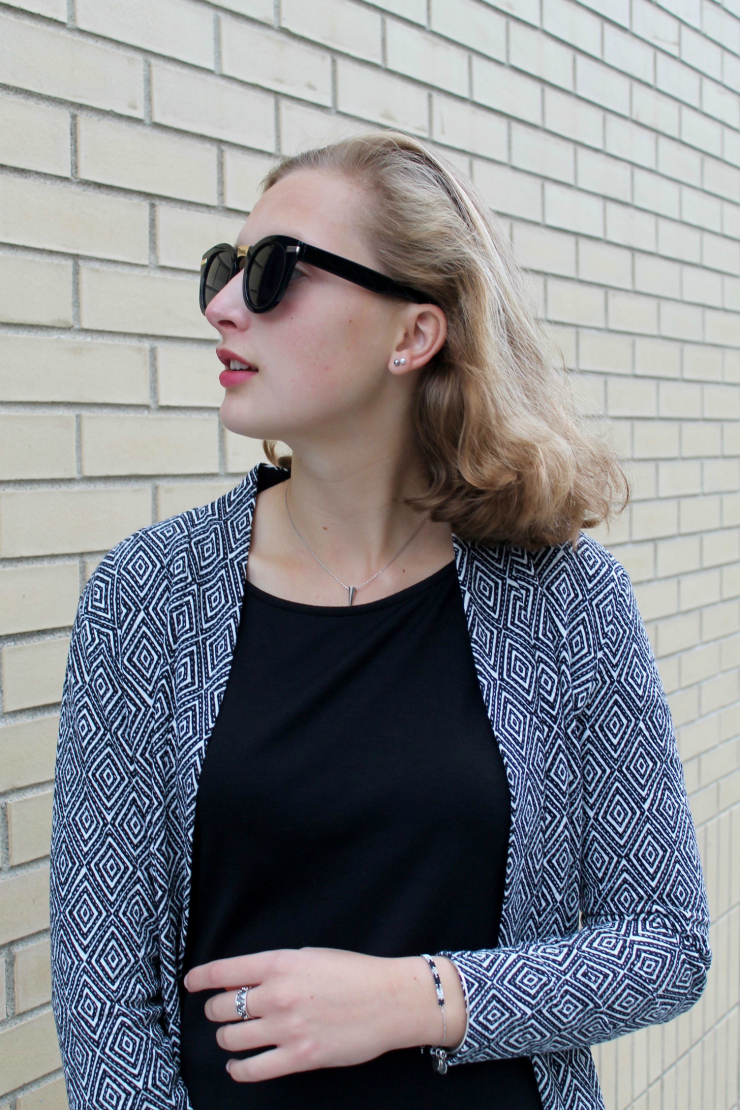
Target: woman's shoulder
(180,549)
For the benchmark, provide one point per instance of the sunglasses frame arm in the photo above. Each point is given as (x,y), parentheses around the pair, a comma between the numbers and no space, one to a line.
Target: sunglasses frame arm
(359,274)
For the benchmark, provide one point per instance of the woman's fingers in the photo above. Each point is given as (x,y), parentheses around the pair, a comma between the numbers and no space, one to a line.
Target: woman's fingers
(233,972)
(222,1007)
(245,1035)
(269,1065)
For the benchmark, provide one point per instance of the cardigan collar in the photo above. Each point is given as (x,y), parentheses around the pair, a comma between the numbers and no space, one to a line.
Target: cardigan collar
(499,592)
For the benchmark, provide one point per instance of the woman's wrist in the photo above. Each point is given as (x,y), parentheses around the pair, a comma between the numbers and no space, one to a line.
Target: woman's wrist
(417,1011)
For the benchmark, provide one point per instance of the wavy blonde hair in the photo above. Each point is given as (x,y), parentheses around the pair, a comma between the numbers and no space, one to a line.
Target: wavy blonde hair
(508,458)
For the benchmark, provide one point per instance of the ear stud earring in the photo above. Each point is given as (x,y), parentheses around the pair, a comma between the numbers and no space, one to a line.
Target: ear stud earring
(399,361)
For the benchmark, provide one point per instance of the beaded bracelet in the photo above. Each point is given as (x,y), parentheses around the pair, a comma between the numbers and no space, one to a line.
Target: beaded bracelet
(438,1053)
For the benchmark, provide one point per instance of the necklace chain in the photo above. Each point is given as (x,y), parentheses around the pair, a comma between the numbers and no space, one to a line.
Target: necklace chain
(351,590)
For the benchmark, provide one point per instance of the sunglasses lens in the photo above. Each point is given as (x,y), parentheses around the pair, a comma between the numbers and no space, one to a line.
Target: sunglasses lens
(266,274)
(218,272)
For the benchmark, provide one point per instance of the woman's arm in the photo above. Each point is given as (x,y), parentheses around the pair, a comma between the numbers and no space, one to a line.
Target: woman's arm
(642,954)
(106,992)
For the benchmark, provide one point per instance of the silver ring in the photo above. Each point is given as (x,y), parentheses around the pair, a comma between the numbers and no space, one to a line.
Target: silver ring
(241,1004)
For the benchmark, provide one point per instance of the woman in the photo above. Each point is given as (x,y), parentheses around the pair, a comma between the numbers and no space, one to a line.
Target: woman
(371,753)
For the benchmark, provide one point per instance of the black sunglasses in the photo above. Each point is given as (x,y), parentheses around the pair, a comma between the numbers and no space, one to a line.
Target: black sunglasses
(268,267)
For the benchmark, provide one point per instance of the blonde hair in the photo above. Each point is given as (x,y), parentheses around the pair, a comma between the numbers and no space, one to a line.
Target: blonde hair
(507,456)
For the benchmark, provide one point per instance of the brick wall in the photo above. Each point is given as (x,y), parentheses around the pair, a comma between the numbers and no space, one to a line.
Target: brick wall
(133,134)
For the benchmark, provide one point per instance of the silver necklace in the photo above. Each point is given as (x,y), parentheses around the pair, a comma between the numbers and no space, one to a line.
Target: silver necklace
(351,590)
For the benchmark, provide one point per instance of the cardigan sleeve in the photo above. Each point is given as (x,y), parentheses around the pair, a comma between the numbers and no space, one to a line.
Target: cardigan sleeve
(641,955)
(106,994)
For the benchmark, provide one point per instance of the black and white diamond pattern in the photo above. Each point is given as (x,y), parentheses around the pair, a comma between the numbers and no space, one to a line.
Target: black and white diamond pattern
(600,820)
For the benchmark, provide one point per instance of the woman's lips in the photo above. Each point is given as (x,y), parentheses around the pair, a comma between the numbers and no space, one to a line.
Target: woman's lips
(230,378)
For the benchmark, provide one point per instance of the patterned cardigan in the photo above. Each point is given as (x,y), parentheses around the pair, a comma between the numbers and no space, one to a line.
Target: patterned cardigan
(604,926)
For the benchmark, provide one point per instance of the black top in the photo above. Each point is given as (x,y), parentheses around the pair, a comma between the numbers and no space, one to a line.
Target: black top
(352,796)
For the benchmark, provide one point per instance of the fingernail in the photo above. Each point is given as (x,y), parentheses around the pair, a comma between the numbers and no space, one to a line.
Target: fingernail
(186,983)
(228,1066)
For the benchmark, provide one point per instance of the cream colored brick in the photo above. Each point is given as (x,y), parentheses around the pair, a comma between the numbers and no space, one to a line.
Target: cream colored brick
(657,275)
(628,396)
(655,439)
(656,599)
(697,514)
(676,79)
(573,118)
(722,26)
(679,161)
(52,9)
(629,227)
(719,620)
(575,303)
(602,351)
(570,22)
(701,131)
(701,285)
(469,23)
(257,9)
(183,235)
(242,452)
(656,193)
(189,376)
(722,178)
(588,391)
(336,23)
(33,673)
(678,556)
(508,191)
(51,522)
(721,474)
(409,9)
(146,159)
(681,320)
(600,262)
(721,548)
(243,173)
(643,476)
(718,692)
(654,519)
(702,363)
(49,1096)
(274,61)
(652,109)
(564,340)
(37,446)
(172,27)
(543,154)
(700,439)
(27,1051)
(679,399)
(142,303)
(49,61)
(598,83)
(417,54)
(33,137)
(507,91)
(67,370)
(628,140)
(64,218)
(623,51)
(598,173)
(540,248)
(27,752)
(721,252)
(679,477)
(678,634)
(205,104)
(532,51)
(29,828)
(32,973)
(302,127)
(721,402)
(120,445)
(176,497)
(3,1005)
(43,595)
(722,327)
(461,124)
(632,312)
(638,559)
(24,905)
(573,210)
(655,25)
(381,97)
(35,291)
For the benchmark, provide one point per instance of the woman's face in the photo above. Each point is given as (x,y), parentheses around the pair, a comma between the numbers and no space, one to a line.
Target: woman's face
(323,354)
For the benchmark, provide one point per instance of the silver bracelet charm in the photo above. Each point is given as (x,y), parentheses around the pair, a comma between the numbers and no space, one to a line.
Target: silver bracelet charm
(438,1052)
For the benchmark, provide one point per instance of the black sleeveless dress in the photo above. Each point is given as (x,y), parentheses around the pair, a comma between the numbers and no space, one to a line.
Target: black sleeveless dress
(352,796)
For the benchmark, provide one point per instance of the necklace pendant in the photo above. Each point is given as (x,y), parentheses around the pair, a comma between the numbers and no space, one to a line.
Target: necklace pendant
(351,590)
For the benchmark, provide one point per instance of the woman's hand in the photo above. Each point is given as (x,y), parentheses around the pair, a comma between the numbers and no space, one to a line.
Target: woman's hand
(326,1007)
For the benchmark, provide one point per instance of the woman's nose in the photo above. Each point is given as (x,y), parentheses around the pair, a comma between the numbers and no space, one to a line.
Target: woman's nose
(227,311)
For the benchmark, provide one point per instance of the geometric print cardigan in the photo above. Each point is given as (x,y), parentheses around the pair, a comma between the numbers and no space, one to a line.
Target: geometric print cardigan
(604,925)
